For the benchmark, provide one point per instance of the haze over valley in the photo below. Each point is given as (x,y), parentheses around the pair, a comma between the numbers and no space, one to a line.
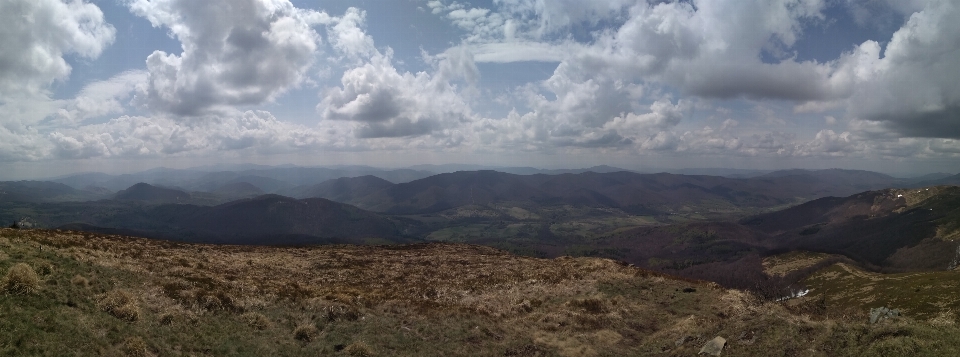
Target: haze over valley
(479,177)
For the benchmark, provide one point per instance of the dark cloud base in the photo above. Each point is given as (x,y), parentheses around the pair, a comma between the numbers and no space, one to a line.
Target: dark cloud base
(936,124)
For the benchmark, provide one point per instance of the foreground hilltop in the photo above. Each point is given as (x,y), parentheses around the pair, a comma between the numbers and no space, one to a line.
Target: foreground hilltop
(111,295)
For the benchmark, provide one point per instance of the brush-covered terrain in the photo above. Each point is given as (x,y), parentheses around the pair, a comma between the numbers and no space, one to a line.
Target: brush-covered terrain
(72,293)
(835,281)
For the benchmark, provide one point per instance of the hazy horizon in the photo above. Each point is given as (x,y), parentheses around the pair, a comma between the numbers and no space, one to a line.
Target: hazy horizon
(449,167)
(125,86)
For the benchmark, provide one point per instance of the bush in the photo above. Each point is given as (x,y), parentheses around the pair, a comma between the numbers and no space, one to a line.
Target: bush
(21,280)
(257,320)
(121,305)
(134,347)
(358,349)
(305,332)
(590,305)
(80,281)
(45,269)
(167,318)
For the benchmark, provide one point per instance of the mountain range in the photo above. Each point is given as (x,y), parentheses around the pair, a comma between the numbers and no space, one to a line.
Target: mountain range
(660,221)
(633,192)
(360,239)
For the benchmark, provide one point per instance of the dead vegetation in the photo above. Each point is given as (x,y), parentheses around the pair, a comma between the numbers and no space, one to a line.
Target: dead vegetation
(121,304)
(428,299)
(21,279)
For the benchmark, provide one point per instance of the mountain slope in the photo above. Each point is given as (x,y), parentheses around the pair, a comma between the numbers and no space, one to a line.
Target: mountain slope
(641,193)
(342,189)
(895,228)
(144,192)
(268,179)
(116,296)
(236,190)
(274,219)
(949,180)
(41,191)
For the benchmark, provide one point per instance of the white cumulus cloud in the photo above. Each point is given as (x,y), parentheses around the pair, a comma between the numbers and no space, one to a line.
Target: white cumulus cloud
(382,102)
(36,34)
(235,52)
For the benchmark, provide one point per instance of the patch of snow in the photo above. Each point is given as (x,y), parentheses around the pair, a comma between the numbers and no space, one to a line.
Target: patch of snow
(795,294)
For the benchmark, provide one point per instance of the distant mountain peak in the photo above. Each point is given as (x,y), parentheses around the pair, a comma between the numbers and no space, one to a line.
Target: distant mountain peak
(150,193)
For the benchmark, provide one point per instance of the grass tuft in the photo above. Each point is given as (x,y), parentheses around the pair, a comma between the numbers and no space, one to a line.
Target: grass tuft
(590,305)
(134,347)
(80,281)
(120,304)
(168,318)
(358,349)
(21,280)
(305,332)
(257,320)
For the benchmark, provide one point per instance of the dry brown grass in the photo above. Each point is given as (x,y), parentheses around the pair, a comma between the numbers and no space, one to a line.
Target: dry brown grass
(358,349)
(80,281)
(257,320)
(472,277)
(780,265)
(427,299)
(121,304)
(21,280)
(134,347)
(305,332)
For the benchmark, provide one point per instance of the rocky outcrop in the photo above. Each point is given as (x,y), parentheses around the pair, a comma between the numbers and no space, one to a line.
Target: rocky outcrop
(880,313)
(713,347)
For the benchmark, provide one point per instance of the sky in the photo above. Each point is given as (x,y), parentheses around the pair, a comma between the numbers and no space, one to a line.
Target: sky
(127,85)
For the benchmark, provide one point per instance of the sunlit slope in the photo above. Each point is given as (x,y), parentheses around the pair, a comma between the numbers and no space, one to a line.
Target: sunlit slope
(931,296)
(111,295)
(841,284)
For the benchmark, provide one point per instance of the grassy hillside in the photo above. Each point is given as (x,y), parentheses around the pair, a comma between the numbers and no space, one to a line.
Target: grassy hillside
(842,284)
(88,294)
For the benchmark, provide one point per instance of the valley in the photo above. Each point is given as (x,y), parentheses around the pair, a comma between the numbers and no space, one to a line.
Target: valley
(584,263)
(516,178)
(691,225)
